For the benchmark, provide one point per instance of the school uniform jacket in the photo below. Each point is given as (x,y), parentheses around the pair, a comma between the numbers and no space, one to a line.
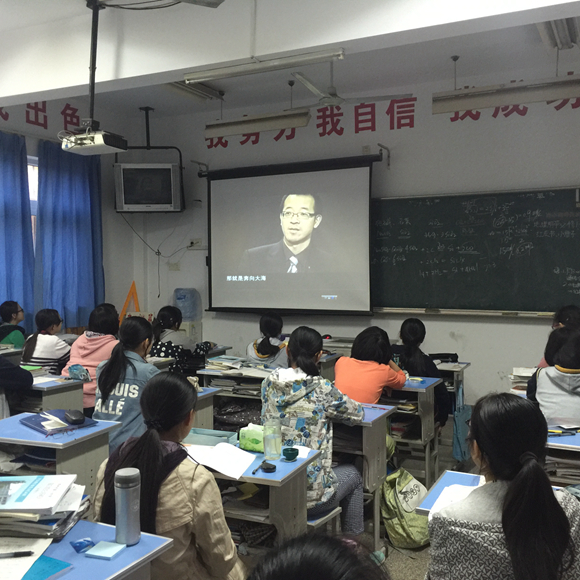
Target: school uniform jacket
(558,393)
(306,407)
(123,402)
(190,512)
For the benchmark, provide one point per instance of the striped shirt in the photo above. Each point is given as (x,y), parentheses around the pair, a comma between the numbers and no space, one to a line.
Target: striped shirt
(51,353)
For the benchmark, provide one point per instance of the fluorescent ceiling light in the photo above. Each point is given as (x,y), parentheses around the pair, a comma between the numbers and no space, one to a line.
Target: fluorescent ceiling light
(257,123)
(200,92)
(561,34)
(257,66)
(567,87)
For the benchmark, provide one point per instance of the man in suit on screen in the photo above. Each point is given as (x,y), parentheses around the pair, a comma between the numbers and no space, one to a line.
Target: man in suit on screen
(295,252)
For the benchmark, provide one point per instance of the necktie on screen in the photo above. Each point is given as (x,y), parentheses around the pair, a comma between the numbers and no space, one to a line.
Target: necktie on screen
(293,265)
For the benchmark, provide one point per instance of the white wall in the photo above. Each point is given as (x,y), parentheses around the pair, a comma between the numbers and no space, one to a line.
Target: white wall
(436,156)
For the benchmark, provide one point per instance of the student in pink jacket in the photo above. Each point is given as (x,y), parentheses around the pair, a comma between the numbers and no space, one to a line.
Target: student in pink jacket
(93,347)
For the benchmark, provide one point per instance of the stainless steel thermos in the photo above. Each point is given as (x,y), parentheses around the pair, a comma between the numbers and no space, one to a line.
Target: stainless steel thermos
(127,502)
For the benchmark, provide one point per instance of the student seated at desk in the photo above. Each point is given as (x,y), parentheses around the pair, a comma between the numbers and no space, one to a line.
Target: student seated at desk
(558,387)
(93,347)
(179,498)
(413,360)
(169,342)
(314,556)
(369,369)
(306,404)
(269,350)
(15,382)
(10,333)
(557,339)
(515,526)
(121,379)
(43,348)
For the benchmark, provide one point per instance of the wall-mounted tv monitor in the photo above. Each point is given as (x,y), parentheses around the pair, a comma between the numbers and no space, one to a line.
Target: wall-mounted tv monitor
(148,187)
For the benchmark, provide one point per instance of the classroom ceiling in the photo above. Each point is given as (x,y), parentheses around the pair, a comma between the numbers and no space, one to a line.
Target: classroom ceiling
(495,54)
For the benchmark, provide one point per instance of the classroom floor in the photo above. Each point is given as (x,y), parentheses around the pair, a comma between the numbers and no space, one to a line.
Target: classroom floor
(408,564)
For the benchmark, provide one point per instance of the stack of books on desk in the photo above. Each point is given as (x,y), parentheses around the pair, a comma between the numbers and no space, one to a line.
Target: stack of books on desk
(567,469)
(406,428)
(40,506)
(519,379)
(224,362)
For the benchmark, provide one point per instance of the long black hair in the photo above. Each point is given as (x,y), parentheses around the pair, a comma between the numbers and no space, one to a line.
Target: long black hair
(318,557)
(166,401)
(167,318)
(568,356)
(568,316)
(372,344)
(413,334)
(557,339)
(271,327)
(511,433)
(132,333)
(304,344)
(44,319)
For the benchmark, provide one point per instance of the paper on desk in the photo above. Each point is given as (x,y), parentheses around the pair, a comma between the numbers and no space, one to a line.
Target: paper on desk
(43,379)
(224,458)
(248,372)
(71,501)
(15,568)
(452,494)
(302,451)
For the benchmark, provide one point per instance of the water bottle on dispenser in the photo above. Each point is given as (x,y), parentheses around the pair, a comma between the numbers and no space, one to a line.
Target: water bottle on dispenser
(127,506)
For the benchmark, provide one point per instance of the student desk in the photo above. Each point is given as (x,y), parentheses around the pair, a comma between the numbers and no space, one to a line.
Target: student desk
(564,453)
(12,354)
(59,393)
(132,563)
(204,409)
(368,440)
(80,451)
(454,371)
(287,490)
(406,448)
(446,479)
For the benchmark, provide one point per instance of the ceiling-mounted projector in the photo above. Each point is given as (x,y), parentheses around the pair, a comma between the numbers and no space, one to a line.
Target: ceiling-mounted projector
(94,143)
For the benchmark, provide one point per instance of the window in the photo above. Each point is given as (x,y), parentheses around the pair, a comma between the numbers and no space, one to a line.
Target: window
(33,193)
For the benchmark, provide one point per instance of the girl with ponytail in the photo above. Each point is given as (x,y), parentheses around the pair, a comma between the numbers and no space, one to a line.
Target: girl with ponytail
(120,380)
(269,350)
(418,364)
(515,526)
(306,404)
(179,498)
(44,348)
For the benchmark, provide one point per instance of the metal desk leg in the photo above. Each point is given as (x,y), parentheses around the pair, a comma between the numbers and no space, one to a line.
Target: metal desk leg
(84,459)
(288,507)
(377,519)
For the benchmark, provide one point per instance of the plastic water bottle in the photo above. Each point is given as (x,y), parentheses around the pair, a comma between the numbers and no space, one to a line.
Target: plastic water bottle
(272,439)
(127,505)
(188,300)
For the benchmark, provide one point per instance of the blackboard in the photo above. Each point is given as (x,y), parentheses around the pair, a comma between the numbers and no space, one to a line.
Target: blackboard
(513,251)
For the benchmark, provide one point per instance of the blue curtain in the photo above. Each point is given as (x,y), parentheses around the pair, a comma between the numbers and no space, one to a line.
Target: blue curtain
(16,248)
(69,246)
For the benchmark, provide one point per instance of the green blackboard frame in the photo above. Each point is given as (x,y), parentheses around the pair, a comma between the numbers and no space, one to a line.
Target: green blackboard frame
(512,252)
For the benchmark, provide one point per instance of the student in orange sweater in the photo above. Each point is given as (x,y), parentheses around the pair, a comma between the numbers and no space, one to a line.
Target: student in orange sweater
(369,369)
